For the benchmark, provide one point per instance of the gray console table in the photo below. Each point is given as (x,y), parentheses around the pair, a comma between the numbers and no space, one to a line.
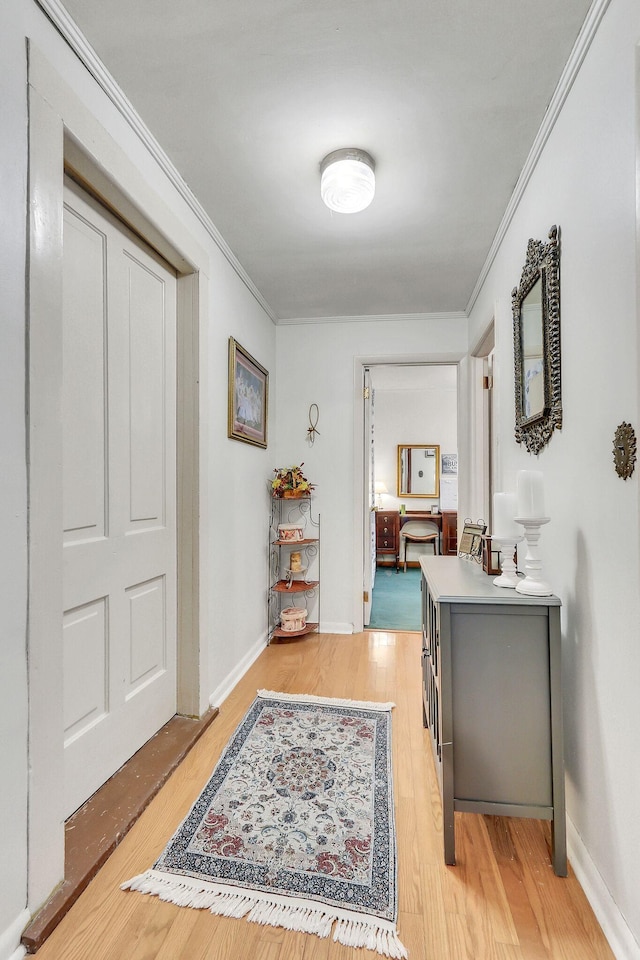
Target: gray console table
(492,699)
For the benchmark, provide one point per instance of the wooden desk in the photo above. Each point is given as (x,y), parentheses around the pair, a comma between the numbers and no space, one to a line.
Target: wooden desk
(447,523)
(421,515)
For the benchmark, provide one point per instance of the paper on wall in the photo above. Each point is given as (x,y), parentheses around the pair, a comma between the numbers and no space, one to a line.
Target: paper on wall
(448,493)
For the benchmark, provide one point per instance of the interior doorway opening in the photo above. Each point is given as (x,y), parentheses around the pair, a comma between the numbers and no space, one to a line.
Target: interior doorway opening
(408,405)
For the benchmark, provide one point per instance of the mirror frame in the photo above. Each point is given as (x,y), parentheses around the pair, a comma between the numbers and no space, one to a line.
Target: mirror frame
(542,263)
(419,446)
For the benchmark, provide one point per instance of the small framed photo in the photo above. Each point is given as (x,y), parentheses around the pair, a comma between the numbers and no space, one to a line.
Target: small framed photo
(449,464)
(471,540)
(435,510)
(490,556)
(248,397)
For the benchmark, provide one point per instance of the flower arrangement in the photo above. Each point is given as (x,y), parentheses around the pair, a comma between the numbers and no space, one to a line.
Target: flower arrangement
(290,482)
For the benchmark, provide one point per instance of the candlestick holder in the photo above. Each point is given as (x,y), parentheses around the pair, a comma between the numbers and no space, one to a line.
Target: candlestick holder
(509,573)
(533,585)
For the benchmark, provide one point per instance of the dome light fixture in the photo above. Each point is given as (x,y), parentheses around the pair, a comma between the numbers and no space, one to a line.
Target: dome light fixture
(347,180)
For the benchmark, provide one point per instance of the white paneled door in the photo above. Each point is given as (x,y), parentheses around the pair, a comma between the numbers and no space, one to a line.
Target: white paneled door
(119,494)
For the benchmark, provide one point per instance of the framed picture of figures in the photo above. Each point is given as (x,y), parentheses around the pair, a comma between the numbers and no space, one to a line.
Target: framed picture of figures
(248,397)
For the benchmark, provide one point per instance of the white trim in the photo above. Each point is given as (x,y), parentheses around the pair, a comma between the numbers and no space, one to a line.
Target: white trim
(614,926)
(87,55)
(338,627)
(11,936)
(569,74)
(359,496)
(375,318)
(223,689)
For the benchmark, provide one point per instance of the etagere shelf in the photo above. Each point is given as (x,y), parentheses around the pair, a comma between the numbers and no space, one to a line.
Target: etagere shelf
(289,584)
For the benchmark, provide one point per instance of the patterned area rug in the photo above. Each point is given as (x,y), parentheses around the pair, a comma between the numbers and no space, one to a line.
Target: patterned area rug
(296,826)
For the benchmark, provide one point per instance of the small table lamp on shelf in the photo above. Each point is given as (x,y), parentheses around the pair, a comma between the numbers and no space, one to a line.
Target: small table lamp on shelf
(380,488)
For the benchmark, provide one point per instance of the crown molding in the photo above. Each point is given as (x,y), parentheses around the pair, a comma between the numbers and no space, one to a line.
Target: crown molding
(79,44)
(569,74)
(376,318)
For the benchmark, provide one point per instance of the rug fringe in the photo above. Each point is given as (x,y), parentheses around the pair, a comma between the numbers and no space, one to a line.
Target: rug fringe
(350,930)
(331,701)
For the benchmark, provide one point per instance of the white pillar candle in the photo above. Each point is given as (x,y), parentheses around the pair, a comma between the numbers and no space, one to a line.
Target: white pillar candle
(530,494)
(504,510)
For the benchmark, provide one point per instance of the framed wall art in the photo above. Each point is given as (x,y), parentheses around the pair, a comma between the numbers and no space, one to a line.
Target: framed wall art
(248,397)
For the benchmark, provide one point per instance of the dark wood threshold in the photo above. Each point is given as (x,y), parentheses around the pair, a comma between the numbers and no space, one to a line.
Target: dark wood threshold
(93,832)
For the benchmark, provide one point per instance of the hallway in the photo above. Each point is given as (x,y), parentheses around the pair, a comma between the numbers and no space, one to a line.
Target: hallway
(501,902)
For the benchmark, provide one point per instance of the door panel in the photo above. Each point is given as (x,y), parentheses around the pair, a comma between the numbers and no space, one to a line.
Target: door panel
(146,407)
(84,386)
(85,667)
(147,648)
(119,371)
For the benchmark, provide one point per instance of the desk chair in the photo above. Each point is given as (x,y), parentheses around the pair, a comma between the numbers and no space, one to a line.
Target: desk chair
(419,531)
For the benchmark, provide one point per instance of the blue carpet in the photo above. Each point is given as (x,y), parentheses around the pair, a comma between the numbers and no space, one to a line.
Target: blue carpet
(396,600)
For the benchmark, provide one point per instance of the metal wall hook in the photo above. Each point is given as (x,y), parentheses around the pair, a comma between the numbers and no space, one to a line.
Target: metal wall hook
(311,429)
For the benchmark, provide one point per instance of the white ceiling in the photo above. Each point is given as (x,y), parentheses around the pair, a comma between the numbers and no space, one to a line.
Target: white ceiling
(247,97)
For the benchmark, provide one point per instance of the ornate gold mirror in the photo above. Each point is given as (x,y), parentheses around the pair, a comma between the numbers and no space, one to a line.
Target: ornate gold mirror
(536,341)
(418,470)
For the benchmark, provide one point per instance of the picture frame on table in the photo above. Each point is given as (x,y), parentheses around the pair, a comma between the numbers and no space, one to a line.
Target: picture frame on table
(248,404)
(471,540)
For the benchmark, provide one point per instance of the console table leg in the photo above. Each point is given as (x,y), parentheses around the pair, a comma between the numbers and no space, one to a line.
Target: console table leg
(448,822)
(559,847)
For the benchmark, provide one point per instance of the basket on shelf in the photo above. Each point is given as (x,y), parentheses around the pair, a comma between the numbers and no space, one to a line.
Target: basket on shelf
(290,483)
(290,532)
(293,618)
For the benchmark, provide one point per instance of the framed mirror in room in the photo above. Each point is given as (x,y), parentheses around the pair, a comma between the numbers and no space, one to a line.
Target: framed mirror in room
(536,340)
(418,470)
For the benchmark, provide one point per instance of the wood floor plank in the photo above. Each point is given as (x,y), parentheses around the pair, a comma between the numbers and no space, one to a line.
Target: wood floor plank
(500,902)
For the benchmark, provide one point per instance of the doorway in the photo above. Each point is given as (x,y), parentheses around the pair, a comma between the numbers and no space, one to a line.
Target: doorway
(63,134)
(410,404)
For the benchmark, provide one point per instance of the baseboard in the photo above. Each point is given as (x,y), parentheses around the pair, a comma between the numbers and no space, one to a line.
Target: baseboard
(615,928)
(336,627)
(223,689)
(10,938)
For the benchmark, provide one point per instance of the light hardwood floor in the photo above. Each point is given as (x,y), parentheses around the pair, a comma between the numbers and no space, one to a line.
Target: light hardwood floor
(501,901)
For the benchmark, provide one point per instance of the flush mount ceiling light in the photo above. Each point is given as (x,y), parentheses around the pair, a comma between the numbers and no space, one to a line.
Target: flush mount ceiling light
(347,180)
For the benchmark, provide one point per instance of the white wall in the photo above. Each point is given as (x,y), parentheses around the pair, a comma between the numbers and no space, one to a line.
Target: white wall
(322,363)
(424,411)
(233,487)
(585,182)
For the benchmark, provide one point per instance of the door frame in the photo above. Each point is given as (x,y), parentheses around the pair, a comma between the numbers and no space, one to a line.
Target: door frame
(360,493)
(64,134)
